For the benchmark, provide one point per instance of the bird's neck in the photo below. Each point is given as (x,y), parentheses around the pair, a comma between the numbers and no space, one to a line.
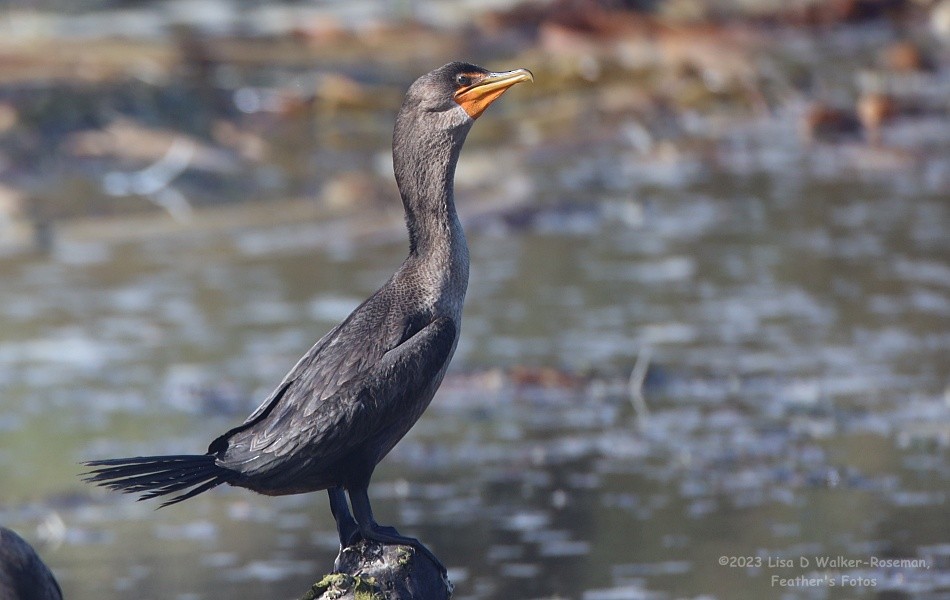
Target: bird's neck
(425,174)
(438,253)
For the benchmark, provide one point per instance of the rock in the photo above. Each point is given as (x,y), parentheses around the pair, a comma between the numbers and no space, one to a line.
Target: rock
(374,571)
(131,142)
(873,111)
(940,21)
(905,57)
(822,122)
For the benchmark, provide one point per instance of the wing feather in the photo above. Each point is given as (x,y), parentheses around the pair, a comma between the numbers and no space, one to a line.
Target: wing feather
(383,400)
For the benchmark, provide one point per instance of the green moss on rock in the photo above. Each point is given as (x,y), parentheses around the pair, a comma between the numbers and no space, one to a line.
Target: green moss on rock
(337,585)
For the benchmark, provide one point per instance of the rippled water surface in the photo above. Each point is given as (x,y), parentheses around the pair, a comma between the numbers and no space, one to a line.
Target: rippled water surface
(791,300)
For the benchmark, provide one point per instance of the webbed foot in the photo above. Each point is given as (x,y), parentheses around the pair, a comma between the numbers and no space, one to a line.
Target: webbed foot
(388,535)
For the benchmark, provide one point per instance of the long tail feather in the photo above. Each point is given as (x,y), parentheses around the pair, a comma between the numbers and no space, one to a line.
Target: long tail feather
(154,476)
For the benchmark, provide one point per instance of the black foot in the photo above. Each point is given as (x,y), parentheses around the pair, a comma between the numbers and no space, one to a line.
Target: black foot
(370,530)
(389,535)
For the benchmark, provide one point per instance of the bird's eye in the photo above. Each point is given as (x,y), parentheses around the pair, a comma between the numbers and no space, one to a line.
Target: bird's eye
(463,79)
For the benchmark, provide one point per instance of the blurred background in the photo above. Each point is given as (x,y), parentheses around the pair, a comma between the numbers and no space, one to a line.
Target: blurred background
(708,311)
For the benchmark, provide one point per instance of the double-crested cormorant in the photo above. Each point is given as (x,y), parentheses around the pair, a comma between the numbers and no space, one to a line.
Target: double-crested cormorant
(23,574)
(359,389)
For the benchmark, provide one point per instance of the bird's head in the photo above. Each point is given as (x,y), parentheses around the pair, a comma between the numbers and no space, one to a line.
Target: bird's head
(439,109)
(458,92)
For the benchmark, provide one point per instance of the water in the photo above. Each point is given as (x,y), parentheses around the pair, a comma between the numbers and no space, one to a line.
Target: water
(793,299)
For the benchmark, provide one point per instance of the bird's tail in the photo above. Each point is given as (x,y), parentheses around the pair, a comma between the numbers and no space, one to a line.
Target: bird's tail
(153,476)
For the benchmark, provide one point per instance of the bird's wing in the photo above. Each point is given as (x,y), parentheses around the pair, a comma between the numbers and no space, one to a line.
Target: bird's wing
(340,355)
(361,408)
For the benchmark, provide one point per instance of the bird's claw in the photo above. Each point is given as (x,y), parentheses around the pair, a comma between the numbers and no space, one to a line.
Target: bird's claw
(389,535)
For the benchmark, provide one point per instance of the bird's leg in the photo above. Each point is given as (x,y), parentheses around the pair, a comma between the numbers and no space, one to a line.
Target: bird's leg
(369,529)
(346,525)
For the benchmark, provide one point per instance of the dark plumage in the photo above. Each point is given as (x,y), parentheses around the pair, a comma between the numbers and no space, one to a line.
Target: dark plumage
(359,389)
(23,575)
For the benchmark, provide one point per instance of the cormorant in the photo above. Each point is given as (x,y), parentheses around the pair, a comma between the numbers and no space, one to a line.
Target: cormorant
(23,574)
(359,389)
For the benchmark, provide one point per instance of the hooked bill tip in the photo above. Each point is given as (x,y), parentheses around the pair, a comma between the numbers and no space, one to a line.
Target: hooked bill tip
(475,98)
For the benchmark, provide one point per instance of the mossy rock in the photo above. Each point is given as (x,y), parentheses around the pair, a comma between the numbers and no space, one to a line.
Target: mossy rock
(374,571)
(343,585)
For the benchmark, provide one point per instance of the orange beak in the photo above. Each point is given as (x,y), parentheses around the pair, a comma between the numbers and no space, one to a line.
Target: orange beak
(476,97)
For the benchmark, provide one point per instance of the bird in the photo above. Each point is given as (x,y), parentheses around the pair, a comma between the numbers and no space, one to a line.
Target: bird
(23,574)
(363,385)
